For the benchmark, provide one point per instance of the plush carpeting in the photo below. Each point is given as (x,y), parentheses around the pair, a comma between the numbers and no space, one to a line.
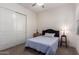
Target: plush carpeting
(20,50)
(60,51)
(66,51)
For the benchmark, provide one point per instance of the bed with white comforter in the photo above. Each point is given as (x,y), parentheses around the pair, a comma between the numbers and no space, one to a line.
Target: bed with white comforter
(47,45)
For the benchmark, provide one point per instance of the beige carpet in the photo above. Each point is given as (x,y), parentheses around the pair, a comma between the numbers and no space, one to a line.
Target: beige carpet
(60,51)
(20,50)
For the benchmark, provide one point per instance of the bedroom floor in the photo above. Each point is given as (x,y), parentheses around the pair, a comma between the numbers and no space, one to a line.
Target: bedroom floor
(20,50)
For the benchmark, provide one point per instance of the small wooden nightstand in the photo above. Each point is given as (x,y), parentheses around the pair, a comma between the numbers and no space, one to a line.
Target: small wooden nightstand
(63,40)
(36,34)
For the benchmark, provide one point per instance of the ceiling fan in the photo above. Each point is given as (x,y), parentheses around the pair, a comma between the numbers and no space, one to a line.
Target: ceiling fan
(38,4)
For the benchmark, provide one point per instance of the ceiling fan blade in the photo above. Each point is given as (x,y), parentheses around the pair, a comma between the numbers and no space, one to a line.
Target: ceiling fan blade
(33,4)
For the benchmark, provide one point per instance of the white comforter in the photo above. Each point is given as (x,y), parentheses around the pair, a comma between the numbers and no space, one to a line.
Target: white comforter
(44,44)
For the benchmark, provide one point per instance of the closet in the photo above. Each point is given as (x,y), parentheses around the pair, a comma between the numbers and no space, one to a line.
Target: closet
(12,28)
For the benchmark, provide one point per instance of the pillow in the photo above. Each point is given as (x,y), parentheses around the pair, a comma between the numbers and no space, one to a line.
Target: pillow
(49,34)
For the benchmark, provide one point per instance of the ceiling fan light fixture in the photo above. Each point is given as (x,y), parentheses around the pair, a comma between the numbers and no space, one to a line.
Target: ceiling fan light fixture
(40,4)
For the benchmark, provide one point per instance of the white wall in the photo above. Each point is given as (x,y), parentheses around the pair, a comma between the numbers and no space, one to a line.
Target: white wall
(56,18)
(31,23)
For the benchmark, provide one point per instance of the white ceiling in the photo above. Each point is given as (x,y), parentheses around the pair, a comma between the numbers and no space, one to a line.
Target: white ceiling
(38,9)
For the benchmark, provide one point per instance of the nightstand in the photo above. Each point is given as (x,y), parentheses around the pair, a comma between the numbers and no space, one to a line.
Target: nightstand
(36,34)
(63,40)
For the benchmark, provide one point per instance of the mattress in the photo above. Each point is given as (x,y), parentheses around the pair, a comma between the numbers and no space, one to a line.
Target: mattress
(47,45)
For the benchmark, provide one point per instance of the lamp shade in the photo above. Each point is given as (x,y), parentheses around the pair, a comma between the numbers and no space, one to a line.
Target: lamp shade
(64,29)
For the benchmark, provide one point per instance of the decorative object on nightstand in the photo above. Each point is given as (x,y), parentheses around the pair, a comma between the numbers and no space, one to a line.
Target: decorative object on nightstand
(36,34)
(64,40)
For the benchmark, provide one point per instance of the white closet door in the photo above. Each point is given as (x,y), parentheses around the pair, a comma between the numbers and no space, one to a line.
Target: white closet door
(20,26)
(12,28)
(6,26)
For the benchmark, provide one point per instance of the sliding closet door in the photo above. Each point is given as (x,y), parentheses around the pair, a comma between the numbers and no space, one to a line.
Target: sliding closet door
(20,26)
(6,28)
(12,28)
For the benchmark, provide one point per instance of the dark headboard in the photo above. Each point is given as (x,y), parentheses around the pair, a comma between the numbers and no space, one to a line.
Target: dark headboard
(51,31)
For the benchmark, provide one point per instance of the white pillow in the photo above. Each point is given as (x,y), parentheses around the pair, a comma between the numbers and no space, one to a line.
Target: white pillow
(49,34)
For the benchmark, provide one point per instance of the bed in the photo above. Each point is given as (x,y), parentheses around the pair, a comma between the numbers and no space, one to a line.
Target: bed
(44,44)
